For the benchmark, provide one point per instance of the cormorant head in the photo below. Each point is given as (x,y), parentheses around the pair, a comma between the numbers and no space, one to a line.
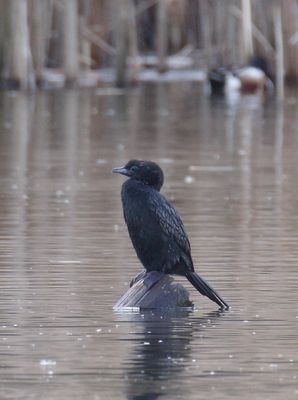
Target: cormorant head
(147,172)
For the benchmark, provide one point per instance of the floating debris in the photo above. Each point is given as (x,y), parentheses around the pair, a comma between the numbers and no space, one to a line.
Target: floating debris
(46,363)
(65,262)
(212,168)
(110,112)
(189,179)
(101,161)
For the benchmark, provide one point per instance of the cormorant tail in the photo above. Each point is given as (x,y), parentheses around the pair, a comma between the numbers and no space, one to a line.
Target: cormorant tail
(205,289)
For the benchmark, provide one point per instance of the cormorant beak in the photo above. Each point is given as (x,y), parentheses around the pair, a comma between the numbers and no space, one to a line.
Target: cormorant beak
(121,170)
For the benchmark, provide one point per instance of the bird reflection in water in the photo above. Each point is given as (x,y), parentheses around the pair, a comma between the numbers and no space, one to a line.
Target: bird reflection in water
(162,352)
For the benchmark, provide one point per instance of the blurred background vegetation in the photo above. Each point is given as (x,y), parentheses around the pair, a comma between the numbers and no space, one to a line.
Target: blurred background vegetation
(59,42)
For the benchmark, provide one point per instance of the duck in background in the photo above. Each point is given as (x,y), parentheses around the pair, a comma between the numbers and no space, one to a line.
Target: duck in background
(253,78)
(222,80)
(256,76)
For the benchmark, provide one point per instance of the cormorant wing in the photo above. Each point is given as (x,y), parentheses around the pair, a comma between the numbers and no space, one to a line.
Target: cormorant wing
(169,221)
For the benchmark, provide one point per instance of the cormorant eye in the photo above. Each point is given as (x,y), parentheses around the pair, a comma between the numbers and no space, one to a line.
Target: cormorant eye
(134,168)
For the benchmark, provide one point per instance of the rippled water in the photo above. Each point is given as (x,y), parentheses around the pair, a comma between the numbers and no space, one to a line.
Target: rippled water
(65,259)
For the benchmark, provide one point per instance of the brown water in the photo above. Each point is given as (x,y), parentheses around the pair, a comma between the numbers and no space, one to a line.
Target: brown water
(231,170)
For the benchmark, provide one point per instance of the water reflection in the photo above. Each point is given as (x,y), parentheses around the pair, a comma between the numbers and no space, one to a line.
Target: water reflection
(162,350)
(66,257)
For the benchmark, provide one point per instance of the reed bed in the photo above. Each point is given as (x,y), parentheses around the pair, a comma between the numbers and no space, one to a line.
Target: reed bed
(68,42)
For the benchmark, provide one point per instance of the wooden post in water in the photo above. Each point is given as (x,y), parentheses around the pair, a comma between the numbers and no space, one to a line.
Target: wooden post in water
(154,290)
(279,55)
(70,40)
(21,61)
(133,40)
(85,45)
(122,9)
(162,37)
(247,29)
(4,43)
(289,12)
(40,26)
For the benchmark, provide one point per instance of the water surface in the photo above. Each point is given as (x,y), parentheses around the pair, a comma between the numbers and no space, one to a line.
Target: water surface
(65,259)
